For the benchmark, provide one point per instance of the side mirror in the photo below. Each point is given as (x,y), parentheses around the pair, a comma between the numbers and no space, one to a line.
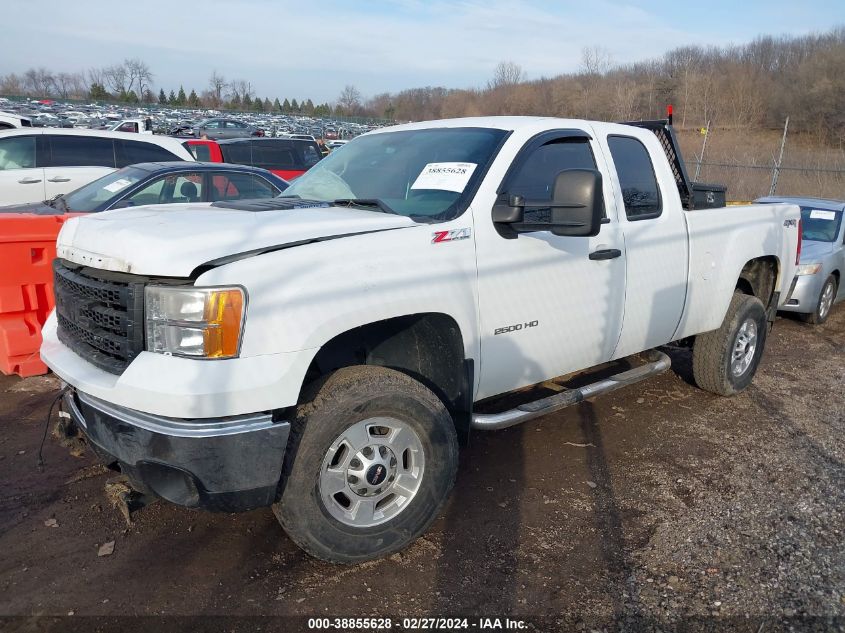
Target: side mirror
(576,208)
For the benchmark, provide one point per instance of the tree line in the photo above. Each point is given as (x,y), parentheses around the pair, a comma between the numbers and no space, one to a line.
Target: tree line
(131,82)
(754,85)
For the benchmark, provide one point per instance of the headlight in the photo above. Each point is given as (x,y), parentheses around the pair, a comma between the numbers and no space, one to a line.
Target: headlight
(194,322)
(808,269)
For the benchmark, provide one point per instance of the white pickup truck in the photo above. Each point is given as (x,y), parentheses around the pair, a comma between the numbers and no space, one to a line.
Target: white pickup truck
(322,352)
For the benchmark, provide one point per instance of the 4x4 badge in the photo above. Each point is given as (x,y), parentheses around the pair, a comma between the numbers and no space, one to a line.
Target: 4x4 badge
(451,236)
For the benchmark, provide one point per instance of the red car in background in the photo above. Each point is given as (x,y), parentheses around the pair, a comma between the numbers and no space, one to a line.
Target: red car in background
(288,158)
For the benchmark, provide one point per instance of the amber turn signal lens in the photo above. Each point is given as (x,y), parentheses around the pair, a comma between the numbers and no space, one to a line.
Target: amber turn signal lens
(223,315)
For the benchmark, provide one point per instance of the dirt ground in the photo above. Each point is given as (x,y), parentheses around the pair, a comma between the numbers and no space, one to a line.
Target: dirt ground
(658,507)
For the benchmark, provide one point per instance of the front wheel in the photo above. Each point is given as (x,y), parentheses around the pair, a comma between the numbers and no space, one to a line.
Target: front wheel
(725,360)
(824,304)
(371,461)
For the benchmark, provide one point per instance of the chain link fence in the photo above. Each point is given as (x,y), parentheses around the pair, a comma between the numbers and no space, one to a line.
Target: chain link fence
(748,181)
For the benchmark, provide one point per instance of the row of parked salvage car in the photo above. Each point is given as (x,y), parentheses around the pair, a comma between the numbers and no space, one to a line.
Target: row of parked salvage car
(50,175)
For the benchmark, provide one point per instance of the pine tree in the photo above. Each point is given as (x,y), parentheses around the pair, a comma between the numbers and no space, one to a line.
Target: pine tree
(258,105)
(181,99)
(286,106)
(162,98)
(98,92)
(235,103)
(193,99)
(276,105)
(247,102)
(267,105)
(172,98)
(294,106)
(131,97)
(308,107)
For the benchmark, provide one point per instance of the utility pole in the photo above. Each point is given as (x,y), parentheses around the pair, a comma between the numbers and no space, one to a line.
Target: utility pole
(776,168)
(701,156)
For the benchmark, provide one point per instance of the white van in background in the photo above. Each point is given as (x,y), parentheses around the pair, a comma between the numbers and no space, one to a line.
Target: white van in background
(39,163)
(9,121)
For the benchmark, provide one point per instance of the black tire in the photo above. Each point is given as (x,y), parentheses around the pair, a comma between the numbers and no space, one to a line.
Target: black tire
(820,314)
(345,398)
(713,351)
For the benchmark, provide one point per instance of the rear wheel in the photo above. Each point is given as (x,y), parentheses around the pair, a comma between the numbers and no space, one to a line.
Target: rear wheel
(371,461)
(724,361)
(824,304)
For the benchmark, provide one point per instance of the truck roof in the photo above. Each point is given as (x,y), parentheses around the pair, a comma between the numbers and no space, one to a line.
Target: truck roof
(510,123)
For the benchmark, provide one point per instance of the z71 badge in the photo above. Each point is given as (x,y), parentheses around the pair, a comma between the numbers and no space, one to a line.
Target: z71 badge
(454,235)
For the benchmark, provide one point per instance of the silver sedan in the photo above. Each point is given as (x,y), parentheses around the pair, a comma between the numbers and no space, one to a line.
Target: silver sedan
(822,264)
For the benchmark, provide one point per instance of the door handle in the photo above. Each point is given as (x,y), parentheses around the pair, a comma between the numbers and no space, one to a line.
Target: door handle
(606,253)
(29,181)
(58,179)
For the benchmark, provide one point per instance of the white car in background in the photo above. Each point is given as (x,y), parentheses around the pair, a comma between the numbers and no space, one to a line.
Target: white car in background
(38,164)
(9,121)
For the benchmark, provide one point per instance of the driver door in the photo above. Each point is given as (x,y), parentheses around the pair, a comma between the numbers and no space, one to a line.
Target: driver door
(549,304)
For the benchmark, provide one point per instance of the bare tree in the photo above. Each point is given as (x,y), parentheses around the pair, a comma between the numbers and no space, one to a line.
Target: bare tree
(116,77)
(12,84)
(217,84)
(595,60)
(140,77)
(506,74)
(39,82)
(239,89)
(96,76)
(349,99)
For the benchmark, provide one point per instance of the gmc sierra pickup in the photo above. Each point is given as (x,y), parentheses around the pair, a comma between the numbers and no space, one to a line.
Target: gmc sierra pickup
(322,352)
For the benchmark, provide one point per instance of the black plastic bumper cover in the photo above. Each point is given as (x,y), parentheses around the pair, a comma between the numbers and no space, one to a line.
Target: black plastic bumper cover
(209,464)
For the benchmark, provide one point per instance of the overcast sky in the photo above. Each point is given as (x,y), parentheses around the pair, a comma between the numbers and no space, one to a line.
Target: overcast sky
(312,49)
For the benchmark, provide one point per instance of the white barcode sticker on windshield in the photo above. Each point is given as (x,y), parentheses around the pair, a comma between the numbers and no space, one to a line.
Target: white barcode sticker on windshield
(818,214)
(117,185)
(445,176)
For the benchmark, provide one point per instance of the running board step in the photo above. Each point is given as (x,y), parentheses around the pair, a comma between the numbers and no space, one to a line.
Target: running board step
(658,363)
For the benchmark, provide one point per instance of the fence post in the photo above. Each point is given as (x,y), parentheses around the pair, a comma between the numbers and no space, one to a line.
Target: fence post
(701,156)
(776,168)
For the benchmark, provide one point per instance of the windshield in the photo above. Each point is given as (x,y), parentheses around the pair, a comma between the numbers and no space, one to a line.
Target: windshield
(413,173)
(103,190)
(820,225)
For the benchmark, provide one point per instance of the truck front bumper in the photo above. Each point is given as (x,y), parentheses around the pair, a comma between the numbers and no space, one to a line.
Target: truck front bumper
(224,464)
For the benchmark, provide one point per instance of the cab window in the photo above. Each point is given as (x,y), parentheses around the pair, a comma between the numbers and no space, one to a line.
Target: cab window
(535,179)
(640,191)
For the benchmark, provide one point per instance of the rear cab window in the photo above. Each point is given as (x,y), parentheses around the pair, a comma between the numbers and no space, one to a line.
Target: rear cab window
(279,154)
(640,191)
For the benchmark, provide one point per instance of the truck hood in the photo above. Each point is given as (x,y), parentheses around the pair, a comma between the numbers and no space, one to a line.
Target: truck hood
(813,252)
(173,240)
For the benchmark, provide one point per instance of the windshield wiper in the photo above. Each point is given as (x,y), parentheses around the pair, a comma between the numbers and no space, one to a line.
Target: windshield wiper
(57,202)
(367,203)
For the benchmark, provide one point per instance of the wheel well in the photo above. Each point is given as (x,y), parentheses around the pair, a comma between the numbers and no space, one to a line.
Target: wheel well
(835,273)
(758,278)
(428,347)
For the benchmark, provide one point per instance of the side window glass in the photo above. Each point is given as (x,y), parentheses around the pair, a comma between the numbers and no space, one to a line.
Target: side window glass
(263,189)
(200,152)
(237,153)
(151,194)
(234,186)
(535,179)
(81,151)
(17,152)
(636,177)
(141,152)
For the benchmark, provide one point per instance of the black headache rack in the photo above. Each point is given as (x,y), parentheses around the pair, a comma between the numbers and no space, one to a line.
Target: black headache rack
(694,195)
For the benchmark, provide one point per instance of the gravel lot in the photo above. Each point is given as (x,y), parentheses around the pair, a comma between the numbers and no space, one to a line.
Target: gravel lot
(684,511)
